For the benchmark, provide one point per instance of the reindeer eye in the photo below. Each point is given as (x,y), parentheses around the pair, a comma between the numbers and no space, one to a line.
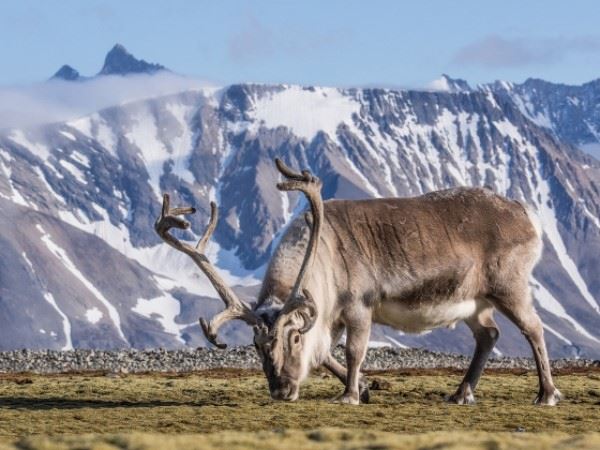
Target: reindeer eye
(296,339)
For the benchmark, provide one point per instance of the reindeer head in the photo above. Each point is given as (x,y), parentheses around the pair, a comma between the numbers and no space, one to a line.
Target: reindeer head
(281,341)
(280,337)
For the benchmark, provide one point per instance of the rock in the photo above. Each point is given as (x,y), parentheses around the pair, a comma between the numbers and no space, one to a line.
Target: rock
(379,384)
(120,362)
(316,436)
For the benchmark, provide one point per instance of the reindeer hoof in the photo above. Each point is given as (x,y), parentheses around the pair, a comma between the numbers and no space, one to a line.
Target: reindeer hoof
(548,399)
(461,399)
(347,399)
(463,396)
(364,394)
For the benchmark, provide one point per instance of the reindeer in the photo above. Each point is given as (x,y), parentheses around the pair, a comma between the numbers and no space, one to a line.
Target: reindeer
(414,264)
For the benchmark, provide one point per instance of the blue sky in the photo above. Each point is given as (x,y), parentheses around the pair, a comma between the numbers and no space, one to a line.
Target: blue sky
(342,43)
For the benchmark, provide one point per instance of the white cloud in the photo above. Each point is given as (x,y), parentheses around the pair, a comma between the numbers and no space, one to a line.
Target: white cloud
(58,100)
(498,51)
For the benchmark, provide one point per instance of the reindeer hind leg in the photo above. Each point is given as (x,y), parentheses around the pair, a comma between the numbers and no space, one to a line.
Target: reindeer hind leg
(486,333)
(518,308)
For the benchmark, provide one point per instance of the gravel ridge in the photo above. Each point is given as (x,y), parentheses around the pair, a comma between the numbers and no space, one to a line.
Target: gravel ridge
(189,360)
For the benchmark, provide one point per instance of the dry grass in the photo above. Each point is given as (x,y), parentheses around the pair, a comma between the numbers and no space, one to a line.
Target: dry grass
(238,402)
(323,439)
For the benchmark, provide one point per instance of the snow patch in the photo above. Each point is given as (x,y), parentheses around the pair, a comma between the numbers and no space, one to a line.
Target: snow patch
(182,145)
(509,129)
(28,261)
(592,217)
(68,135)
(93,315)
(379,344)
(440,84)
(105,137)
(74,170)
(396,342)
(164,309)
(306,111)
(81,159)
(144,135)
(83,125)
(65,321)
(285,208)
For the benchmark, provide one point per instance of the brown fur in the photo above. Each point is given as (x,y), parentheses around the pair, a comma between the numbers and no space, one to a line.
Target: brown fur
(454,243)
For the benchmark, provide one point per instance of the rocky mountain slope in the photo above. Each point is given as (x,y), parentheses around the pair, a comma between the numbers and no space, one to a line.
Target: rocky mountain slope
(82,266)
(571,112)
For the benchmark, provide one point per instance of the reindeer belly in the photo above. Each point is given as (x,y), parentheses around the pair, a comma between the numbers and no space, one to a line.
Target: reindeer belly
(419,318)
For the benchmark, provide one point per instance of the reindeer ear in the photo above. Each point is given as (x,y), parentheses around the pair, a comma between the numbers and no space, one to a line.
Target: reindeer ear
(261,335)
(269,310)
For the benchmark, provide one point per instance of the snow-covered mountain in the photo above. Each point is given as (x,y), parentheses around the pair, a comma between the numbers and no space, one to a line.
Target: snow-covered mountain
(83,267)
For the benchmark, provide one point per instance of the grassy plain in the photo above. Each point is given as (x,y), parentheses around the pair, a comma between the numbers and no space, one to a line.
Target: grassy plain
(232,409)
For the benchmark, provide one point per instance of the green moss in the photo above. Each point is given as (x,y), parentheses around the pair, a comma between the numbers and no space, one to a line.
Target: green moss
(236,405)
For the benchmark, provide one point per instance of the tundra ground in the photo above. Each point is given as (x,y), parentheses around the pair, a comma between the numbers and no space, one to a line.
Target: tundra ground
(232,409)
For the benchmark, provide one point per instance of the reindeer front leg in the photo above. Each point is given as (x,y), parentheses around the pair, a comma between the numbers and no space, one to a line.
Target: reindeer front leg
(357,341)
(340,372)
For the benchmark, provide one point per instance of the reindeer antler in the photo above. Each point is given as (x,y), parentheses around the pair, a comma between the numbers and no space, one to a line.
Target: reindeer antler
(311,187)
(235,308)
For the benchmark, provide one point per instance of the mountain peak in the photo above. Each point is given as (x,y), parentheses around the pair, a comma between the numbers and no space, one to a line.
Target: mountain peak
(448,84)
(67,73)
(119,61)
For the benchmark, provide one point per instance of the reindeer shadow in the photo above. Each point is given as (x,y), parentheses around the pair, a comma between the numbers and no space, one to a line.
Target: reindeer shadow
(49,403)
